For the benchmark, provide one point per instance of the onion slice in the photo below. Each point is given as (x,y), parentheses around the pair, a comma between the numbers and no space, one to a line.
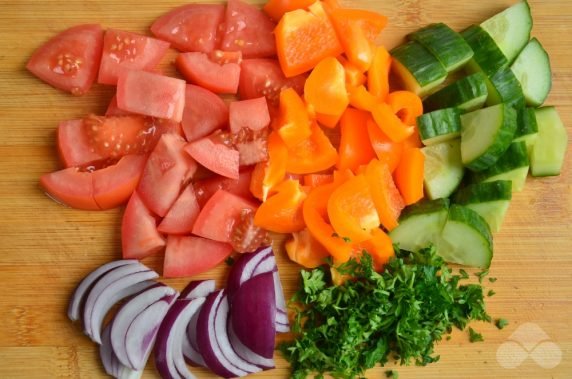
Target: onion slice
(268,264)
(169,358)
(129,311)
(83,288)
(198,288)
(282,323)
(108,358)
(191,351)
(243,269)
(247,354)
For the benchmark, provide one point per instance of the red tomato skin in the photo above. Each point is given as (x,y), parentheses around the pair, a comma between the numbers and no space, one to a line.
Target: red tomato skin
(73,144)
(126,50)
(191,27)
(139,235)
(190,255)
(204,113)
(151,94)
(182,215)
(113,185)
(205,188)
(248,30)
(216,157)
(70,60)
(252,114)
(199,69)
(113,109)
(70,187)
(166,172)
(219,215)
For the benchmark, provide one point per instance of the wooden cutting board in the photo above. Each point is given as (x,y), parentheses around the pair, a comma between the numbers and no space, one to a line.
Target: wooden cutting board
(45,249)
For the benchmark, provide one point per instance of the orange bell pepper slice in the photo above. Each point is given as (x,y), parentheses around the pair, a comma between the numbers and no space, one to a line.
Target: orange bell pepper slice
(305,250)
(408,175)
(380,247)
(314,154)
(354,76)
(351,210)
(360,98)
(282,212)
(386,196)
(378,74)
(315,180)
(355,148)
(390,124)
(325,88)
(294,121)
(372,23)
(406,105)
(328,120)
(267,175)
(276,8)
(387,151)
(304,38)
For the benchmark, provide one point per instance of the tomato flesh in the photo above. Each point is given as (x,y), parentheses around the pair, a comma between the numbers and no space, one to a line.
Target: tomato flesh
(126,50)
(215,156)
(182,215)
(252,114)
(188,256)
(113,109)
(70,187)
(205,188)
(139,235)
(199,69)
(69,61)
(204,113)
(74,146)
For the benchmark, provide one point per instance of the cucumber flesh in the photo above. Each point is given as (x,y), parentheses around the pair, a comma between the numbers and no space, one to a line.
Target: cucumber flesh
(466,238)
(467,94)
(485,135)
(487,57)
(439,126)
(445,44)
(494,212)
(443,169)
(512,165)
(532,70)
(503,87)
(510,29)
(548,152)
(420,225)
(527,128)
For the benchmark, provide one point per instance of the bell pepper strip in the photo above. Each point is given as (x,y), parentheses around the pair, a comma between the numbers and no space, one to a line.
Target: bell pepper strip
(378,74)
(315,180)
(414,140)
(276,8)
(355,148)
(351,210)
(390,124)
(305,250)
(256,180)
(354,76)
(386,196)
(360,98)
(314,154)
(282,212)
(294,121)
(325,88)
(387,151)
(406,105)
(380,247)
(304,38)
(327,120)
(408,175)
(357,47)
(273,170)
(372,23)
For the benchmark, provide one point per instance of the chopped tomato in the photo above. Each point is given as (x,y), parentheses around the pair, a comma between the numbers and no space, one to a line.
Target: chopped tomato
(70,60)
(117,136)
(252,114)
(252,146)
(190,255)
(128,50)
(248,30)
(205,188)
(199,69)
(204,113)
(182,215)
(167,171)
(219,215)
(215,156)
(113,109)
(73,144)
(264,77)
(151,94)
(276,8)
(223,57)
(191,27)
(139,235)
(246,236)
(70,187)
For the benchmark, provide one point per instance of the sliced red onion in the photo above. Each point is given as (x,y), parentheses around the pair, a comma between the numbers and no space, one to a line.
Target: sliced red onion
(268,264)
(108,358)
(243,268)
(83,288)
(111,288)
(212,337)
(128,373)
(198,288)
(253,314)
(140,336)
(129,311)
(282,323)
(247,354)
(169,358)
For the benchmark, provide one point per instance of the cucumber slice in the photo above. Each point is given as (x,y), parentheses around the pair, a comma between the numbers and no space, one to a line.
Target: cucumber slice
(467,94)
(512,165)
(466,238)
(486,134)
(526,128)
(489,199)
(503,87)
(532,70)
(550,147)
(510,29)
(445,44)
(443,169)
(418,70)
(420,224)
(439,126)
(487,57)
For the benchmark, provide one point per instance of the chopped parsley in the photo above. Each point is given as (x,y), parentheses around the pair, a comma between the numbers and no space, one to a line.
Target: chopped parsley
(475,336)
(481,275)
(392,374)
(491,293)
(401,312)
(501,323)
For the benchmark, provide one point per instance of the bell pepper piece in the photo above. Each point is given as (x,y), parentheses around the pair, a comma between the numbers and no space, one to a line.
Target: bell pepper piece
(386,196)
(325,88)
(314,154)
(294,121)
(305,250)
(282,212)
(408,175)
(378,74)
(387,151)
(355,148)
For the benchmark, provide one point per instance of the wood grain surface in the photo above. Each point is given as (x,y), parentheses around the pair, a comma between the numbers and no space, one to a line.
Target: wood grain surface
(45,249)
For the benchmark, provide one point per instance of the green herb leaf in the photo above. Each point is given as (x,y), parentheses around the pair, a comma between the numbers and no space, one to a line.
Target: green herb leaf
(475,336)
(491,293)
(501,323)
(392,374)
(481,275)
(492,280)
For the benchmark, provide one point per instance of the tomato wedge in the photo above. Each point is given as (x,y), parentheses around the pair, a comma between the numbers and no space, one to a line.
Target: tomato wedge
(189,256)
(182,215)
(139,235)
(204,113)
(215,156)
(252,114)
(205,188)
(199,69)
(73,144)
(70,60)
